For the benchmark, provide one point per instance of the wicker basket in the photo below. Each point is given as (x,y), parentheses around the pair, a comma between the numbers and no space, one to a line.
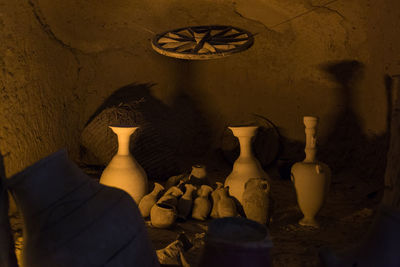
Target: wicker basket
(148,145)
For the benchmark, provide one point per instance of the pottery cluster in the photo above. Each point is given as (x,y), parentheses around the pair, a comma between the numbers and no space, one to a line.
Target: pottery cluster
(247,187)
(189,196)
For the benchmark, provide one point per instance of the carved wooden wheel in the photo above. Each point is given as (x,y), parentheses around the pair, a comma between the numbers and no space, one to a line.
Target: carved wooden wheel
(202,42)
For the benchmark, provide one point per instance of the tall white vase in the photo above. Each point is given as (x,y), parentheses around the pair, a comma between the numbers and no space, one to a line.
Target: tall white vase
(246,165)
(124,171)
(311,178)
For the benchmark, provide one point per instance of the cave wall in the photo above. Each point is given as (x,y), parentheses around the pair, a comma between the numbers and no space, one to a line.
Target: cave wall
(60,60)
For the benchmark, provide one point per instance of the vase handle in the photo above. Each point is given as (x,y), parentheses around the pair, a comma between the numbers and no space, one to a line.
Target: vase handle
(318,168)
(292,177)
(266,186)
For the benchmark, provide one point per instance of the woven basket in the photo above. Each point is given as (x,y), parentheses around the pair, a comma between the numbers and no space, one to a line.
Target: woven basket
(148,145)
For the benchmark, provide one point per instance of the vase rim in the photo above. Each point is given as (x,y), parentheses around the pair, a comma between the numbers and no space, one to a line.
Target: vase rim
(242,126)
(122,126)
(249,130)
(309,117)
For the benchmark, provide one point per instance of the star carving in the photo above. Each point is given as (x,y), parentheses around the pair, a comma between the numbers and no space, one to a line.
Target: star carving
(202,41)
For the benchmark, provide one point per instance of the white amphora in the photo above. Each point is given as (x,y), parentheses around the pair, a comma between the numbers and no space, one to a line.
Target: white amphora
(246,165)
(311,178)
(124,171)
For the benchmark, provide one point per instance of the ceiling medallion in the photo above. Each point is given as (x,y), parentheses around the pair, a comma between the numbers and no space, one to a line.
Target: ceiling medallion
(202,42)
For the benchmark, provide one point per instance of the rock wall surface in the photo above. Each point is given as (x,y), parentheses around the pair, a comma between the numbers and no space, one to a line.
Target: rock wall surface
(60,60)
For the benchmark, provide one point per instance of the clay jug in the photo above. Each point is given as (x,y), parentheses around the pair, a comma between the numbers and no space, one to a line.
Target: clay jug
(246,165)
(236,242)
(147,202)
(215,198)
(72,220)
(256,200)
(186,201)
(202,205)
(124,171)
(162,215)
(311,178)
(171,196)
(226,205)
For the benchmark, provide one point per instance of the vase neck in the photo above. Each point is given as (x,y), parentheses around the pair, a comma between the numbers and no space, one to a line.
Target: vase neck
(311,144)
(124,136)
(245,146)
(123,144)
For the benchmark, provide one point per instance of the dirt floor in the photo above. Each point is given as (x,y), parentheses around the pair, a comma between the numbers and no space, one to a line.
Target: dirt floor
(344,220)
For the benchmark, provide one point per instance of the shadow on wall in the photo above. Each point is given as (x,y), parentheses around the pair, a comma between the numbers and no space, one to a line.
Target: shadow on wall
(188,106)
(347,147)
(166,139)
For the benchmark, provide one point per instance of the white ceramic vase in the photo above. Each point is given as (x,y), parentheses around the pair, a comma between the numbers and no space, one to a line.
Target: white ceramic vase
(311,178)
(124,171)
(246,165)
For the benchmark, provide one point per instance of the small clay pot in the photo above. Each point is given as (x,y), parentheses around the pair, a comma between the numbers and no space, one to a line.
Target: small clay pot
(162,215)
(198,175)
(226,205)
(171,196)
(186,201)
(256,200)
(215,198)
(148,201)
(202,205)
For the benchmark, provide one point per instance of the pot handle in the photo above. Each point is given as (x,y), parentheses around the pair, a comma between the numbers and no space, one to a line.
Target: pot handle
(267,186)
(318,169)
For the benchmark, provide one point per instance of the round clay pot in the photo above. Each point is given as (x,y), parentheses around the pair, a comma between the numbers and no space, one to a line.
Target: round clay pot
(162,215)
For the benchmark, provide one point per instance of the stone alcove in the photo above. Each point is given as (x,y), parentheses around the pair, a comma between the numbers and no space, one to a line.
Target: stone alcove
(60,60)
